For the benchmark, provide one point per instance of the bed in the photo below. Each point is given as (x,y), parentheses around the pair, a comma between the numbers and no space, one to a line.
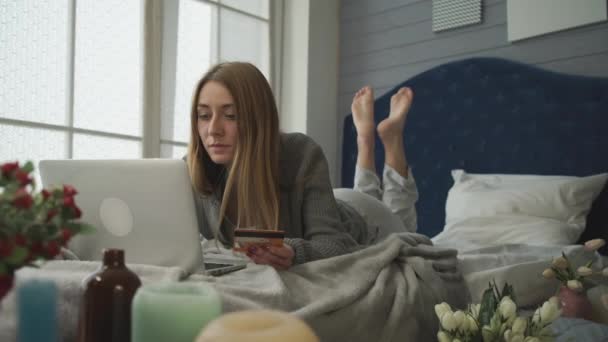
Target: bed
(490,115)
(496,116)
(547,124)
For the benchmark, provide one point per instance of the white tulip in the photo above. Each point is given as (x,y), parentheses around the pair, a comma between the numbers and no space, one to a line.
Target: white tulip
(460,318)
(474,308)
(517,338)
(442,336)
(536,317)
(546,332)
(448,322)
(554,300)
(594,245)
(456,340)
(442,308)
(549,273)
(472,324)
(507,307)
(531,339)
(604,299)
(519,325)
(584,271)
(560,263)
(575,285)
(605,272)
(503,327)
(548,312)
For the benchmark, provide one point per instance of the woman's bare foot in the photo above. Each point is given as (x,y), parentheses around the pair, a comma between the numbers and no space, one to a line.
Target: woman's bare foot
(390,131)
(392,126)
(363,117)
(363,112)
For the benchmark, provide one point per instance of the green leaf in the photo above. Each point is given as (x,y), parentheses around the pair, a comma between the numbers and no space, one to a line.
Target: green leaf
(28,167)
(489,303)
(488,334)
(86,228)
(507,290)
(17,257)
(3,269)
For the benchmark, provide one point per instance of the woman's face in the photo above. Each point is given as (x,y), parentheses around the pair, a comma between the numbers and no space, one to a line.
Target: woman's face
(217,126)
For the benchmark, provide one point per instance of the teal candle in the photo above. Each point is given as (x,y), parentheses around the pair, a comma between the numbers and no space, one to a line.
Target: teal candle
(173,311)
(37,311)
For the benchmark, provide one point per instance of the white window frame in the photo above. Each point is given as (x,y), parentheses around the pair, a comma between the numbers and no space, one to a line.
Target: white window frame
(153,21)
(152,32)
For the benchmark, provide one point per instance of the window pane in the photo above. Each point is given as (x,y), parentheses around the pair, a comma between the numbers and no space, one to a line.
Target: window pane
(257,7)
(184,63)
(33,54)
(108,66)
(243,38)
(35,144)
(94,147)
(173,151)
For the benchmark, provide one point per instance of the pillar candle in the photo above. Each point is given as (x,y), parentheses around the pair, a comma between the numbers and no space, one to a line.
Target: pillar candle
(37,311)
(257,326)
(173,311)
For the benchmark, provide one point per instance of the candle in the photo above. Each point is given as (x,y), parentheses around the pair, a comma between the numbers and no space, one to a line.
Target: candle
(173,311)
(37,311)
(257,326)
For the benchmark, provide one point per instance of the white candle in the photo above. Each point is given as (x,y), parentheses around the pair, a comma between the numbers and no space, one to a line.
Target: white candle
(257,326)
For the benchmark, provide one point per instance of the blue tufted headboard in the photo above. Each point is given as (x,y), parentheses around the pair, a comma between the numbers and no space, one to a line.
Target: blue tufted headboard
(490,115)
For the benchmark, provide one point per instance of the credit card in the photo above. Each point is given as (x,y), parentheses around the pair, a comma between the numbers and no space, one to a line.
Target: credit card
(245,238)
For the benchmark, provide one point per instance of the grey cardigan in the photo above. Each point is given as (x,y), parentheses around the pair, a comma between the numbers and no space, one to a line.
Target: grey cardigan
(315,225)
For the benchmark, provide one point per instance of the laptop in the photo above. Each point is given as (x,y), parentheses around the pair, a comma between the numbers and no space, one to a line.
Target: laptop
(143,206)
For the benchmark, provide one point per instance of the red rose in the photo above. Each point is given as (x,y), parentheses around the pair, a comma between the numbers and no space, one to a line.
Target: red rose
(52,249)
(9,167)
(20,240)
(68,201)
(23,199)
(66,235)
(51,213)
(77,212)
(6,248)
(69,191)
(23,178)
(30,257)
(37,248)
(45,194)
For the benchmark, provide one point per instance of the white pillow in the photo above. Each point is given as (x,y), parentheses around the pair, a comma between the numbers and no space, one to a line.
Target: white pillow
(479,202)
(506,229)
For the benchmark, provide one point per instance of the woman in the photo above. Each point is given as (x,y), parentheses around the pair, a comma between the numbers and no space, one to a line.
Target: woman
(248,175)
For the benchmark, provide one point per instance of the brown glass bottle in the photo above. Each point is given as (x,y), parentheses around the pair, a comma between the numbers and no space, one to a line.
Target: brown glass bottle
(106,302)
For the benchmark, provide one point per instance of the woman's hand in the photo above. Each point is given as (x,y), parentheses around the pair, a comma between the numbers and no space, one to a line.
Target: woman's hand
(281,258)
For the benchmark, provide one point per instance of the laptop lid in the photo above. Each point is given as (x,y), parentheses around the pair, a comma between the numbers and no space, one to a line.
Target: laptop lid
(144,206)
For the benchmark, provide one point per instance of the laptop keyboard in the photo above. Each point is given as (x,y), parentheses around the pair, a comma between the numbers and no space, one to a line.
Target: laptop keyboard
(211,265)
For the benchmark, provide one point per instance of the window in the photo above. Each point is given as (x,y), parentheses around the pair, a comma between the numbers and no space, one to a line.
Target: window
(114,79)
(205,33)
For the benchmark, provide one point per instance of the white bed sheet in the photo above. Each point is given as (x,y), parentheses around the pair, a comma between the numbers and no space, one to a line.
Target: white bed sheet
(520,265)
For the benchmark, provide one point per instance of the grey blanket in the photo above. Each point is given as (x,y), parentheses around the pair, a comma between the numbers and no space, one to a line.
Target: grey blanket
(385,292)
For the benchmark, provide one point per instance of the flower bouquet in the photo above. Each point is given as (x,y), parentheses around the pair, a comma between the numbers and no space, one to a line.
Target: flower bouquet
(575,280)
(33,225)
(496,320)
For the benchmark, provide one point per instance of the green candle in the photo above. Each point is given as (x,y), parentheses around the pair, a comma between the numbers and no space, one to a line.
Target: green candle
(173,311)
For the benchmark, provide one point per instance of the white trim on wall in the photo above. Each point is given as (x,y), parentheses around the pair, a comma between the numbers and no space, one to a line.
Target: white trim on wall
(309,75)
(527,18)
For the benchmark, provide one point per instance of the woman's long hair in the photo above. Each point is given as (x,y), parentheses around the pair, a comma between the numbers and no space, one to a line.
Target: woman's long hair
(256,159)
